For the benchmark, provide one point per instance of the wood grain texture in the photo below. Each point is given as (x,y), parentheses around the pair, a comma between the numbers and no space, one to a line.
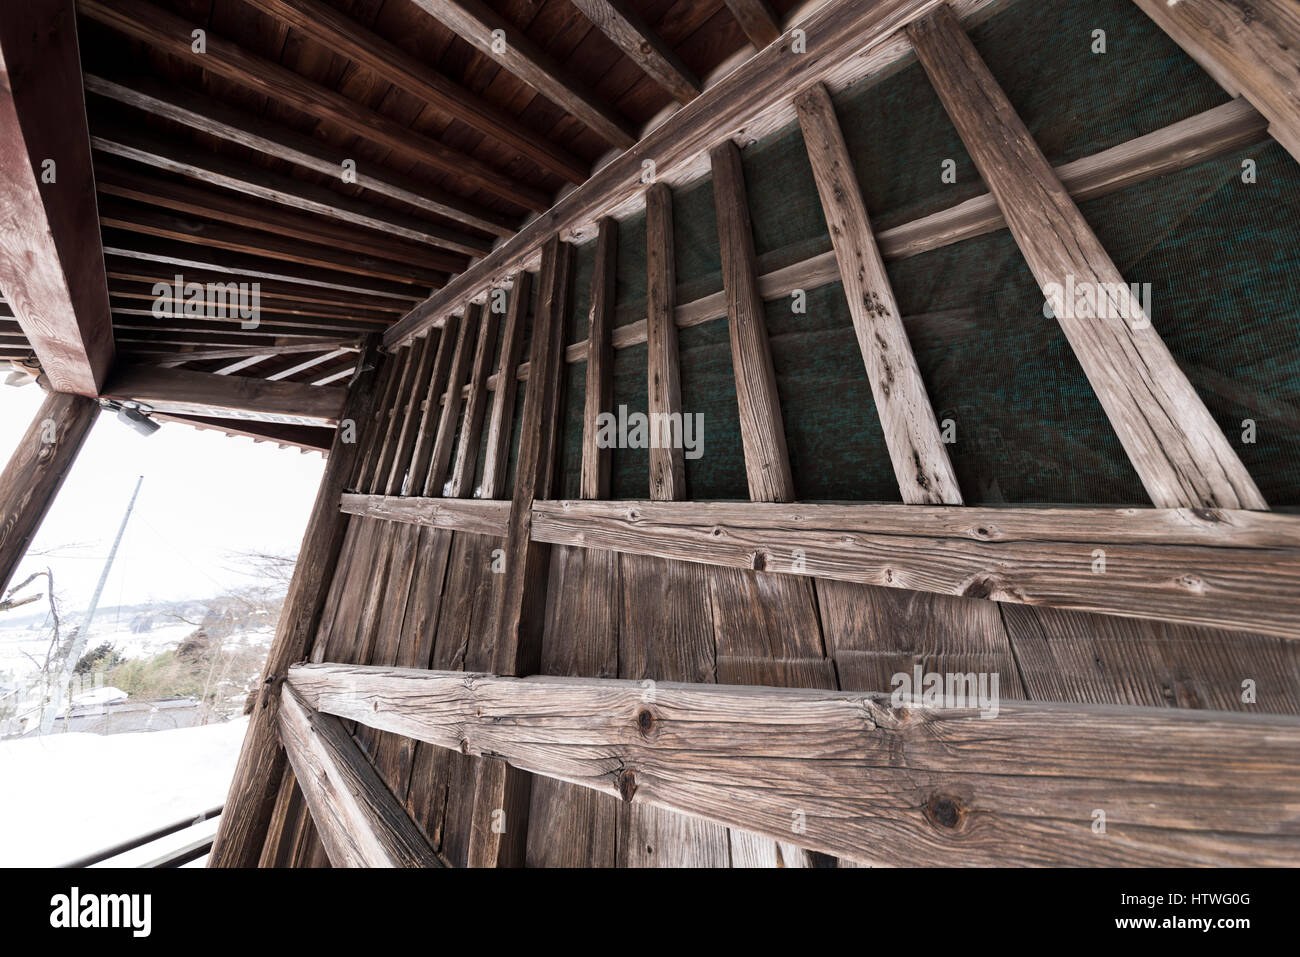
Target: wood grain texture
(619,21)
(433,390)
(477,516)
(234,397)
(1254,47)
(1178,450)
(757,20)
(873,781)
(667,463)
(666,634)
(252,790)
(475,22)
(349,38)
(358,819)
(51,265)
(921,465)
(171,34)
(212,116)
(445,436)
(599,395)
(411,413)
(762,432)
(408,362)
(496,456)
(35,472)
(461,481)
(1242,588)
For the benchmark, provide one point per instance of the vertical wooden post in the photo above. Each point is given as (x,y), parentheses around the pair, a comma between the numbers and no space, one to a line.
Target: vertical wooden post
(462,469)
(600,361)
(450,417)
(261,761)
(921,465)
(518,601)
(767,459)
(36,470)
(501,418)
(667,464)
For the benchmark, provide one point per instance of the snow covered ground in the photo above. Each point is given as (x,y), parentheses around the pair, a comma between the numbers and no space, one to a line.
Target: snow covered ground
(67,795)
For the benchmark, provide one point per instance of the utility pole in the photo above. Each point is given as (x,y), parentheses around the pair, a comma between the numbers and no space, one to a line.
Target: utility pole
(79,639)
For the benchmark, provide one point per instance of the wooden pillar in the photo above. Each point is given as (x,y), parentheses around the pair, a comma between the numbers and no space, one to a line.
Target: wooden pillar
(519,599)
(37,470)
(261,761)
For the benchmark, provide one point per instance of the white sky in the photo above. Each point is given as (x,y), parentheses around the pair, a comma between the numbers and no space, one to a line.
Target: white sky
(206,497)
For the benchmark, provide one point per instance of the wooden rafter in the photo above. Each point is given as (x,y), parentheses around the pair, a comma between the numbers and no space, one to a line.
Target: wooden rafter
(336,31)
(213,117)
(202,393)
(51,266)
(618,20)
(757,20)
(172,34)
(477,23)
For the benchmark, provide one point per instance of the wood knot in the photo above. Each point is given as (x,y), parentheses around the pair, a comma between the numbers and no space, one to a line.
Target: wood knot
(944,811)
(627,785)
(645,722)
(464,745)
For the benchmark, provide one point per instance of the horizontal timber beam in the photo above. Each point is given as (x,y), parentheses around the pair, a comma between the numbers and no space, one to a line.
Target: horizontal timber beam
(1218,568)
(480,516)
(358,819)
(306,437)
(870,779)
(203,393)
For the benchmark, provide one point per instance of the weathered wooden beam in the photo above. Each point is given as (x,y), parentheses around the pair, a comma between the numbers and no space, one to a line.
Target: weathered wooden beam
(475,515)
(171,358)
(308,438)
(460,482)
(762,432)
(991,781)
(376,431)
(844,37)
(213,117)
(390,466)
(618,20)
(407,431)
(496,455)
(359,821)
(261,761)
(757,21)
(1215,568)
(265,218)
(170,254)
(344,35)
(202,393)
(1178,450)
(430,411)
(172,34)
(36,470)
(667,460)
(444,438)
(600,362)
(51,265)
(921,466)
(1253,49)
(479,25)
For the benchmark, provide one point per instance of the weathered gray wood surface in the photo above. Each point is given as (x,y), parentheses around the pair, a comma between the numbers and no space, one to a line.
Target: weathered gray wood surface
(869,780)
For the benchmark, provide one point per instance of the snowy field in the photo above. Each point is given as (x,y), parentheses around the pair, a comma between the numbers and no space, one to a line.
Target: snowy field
(67,795)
